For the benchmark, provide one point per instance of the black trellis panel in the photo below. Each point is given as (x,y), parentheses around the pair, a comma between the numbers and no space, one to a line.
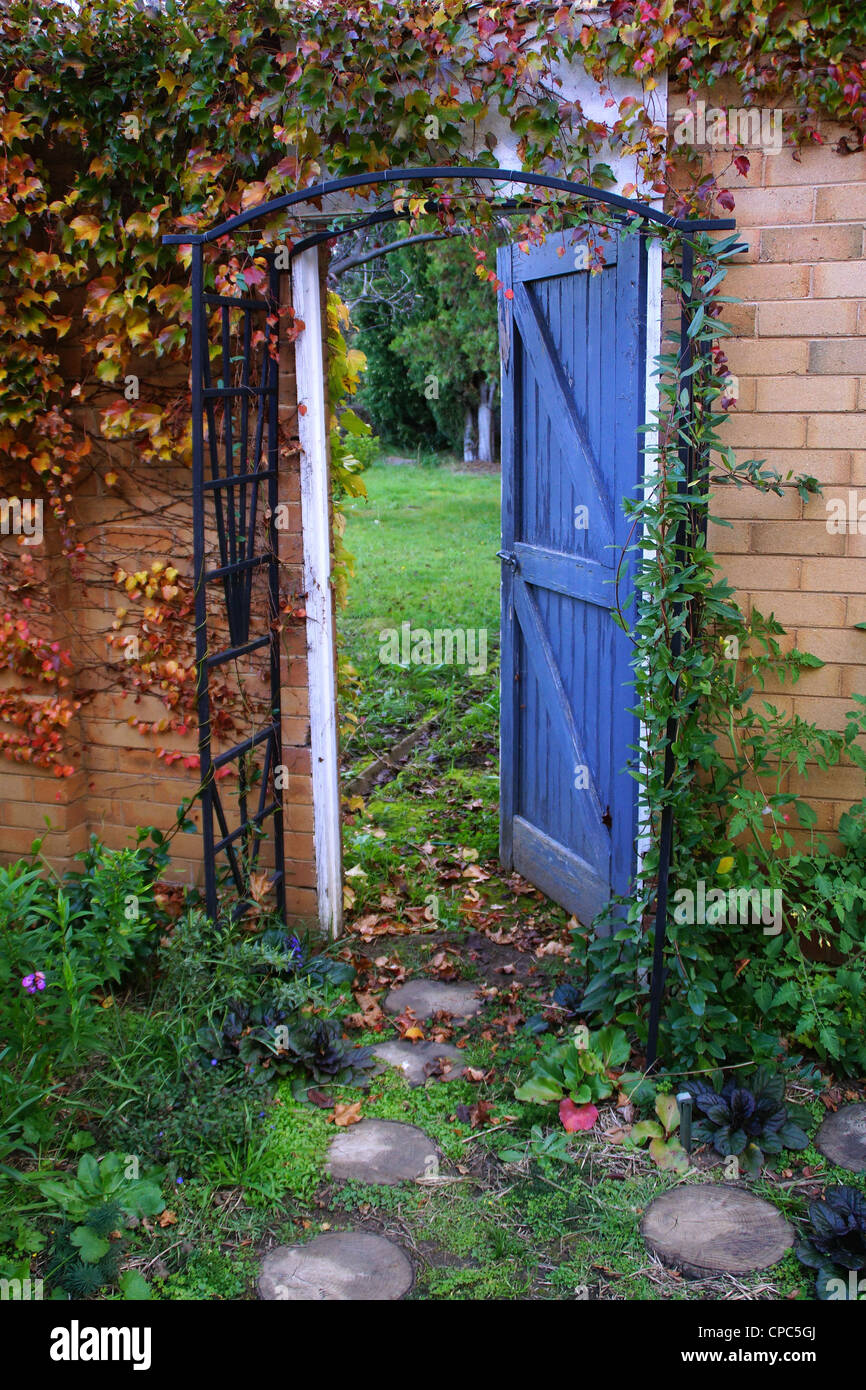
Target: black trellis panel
(235,458)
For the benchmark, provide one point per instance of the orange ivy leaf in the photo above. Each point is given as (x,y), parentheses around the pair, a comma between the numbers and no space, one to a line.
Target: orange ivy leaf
(253,194)
(86,228)
(12,127)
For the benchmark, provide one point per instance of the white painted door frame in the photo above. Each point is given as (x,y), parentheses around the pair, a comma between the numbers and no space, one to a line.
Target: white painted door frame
(318,588)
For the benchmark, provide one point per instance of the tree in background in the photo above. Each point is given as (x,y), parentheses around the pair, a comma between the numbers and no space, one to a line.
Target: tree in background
(427,325)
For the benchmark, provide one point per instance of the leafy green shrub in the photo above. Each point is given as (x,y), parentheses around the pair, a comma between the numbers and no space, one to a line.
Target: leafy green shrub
(736,993)
(208,967)
(366,448)
(88,1247)
(62,941)
(23,1118)
(262,1040)
(747,1120)
(837,1242)
(114,892)
(577,1068)
(193,1077)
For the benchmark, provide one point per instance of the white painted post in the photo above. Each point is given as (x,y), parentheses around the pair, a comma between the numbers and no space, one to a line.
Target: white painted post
(652,402)
(316,522)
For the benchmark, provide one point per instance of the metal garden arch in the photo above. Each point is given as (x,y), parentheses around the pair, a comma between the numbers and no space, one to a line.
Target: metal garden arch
(234,485)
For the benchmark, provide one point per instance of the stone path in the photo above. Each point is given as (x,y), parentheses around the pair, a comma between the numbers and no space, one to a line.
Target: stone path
(418,1061)
(339,1265)
(382,1151)
(700,1229)
(842,1138)
(715,1228)
(428,997)
(348,1265)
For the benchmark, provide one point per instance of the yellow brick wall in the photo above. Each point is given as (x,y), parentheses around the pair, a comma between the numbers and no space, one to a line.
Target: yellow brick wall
(799,352)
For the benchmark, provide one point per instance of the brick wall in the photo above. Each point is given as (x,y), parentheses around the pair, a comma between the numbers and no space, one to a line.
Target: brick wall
(799,352)
(119,783)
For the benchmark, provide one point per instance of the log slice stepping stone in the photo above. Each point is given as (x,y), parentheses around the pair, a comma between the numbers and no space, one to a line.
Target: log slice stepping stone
(715,1228)
(381,1151)
(428,997)
(414,1058)
(842,1138)
(336,1265)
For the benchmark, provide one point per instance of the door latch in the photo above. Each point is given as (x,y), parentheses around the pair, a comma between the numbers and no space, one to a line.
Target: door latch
(508,558)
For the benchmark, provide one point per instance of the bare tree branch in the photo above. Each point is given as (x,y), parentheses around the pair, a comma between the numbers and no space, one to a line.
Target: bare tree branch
(340,267)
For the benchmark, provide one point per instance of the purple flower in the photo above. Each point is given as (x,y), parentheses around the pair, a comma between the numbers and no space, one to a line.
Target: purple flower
(34,982)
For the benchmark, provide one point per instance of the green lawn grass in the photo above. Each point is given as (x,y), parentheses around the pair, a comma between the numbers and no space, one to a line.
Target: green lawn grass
(424,545)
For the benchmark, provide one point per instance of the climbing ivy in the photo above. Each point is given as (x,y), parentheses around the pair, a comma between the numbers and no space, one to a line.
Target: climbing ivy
(119,124)
(745,980)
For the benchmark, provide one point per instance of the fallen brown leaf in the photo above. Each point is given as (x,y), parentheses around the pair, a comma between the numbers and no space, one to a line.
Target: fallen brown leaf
(260,885)
(370,1015)
(554,948)
(618,1134)
(474,1073)
(407,1026)
(347,1114)
(480,1114)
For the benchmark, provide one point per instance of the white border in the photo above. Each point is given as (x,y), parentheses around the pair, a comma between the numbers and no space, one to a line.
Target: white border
(316,524)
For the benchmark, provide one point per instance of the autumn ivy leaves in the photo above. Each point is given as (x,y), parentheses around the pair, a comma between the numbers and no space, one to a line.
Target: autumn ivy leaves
(156,120)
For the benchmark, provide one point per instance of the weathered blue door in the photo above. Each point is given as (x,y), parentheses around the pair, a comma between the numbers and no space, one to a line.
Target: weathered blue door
(573,369)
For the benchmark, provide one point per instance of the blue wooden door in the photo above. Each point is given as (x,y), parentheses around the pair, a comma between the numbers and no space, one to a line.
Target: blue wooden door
(573,370)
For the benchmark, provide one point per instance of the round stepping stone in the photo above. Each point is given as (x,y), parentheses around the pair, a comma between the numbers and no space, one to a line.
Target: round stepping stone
(337,1265)
(715,1228)
(382,1151)
(842,1138)
(414,1058)
(428,997)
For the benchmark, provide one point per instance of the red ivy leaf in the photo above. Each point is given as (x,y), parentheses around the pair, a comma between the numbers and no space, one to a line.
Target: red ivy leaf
(575,1117)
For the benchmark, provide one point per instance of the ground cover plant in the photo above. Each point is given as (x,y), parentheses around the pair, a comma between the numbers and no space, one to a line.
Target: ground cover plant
(141,1057)
(835,1245)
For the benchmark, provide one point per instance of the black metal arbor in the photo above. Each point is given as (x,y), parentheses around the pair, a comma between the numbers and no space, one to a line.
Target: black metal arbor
(235,472)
